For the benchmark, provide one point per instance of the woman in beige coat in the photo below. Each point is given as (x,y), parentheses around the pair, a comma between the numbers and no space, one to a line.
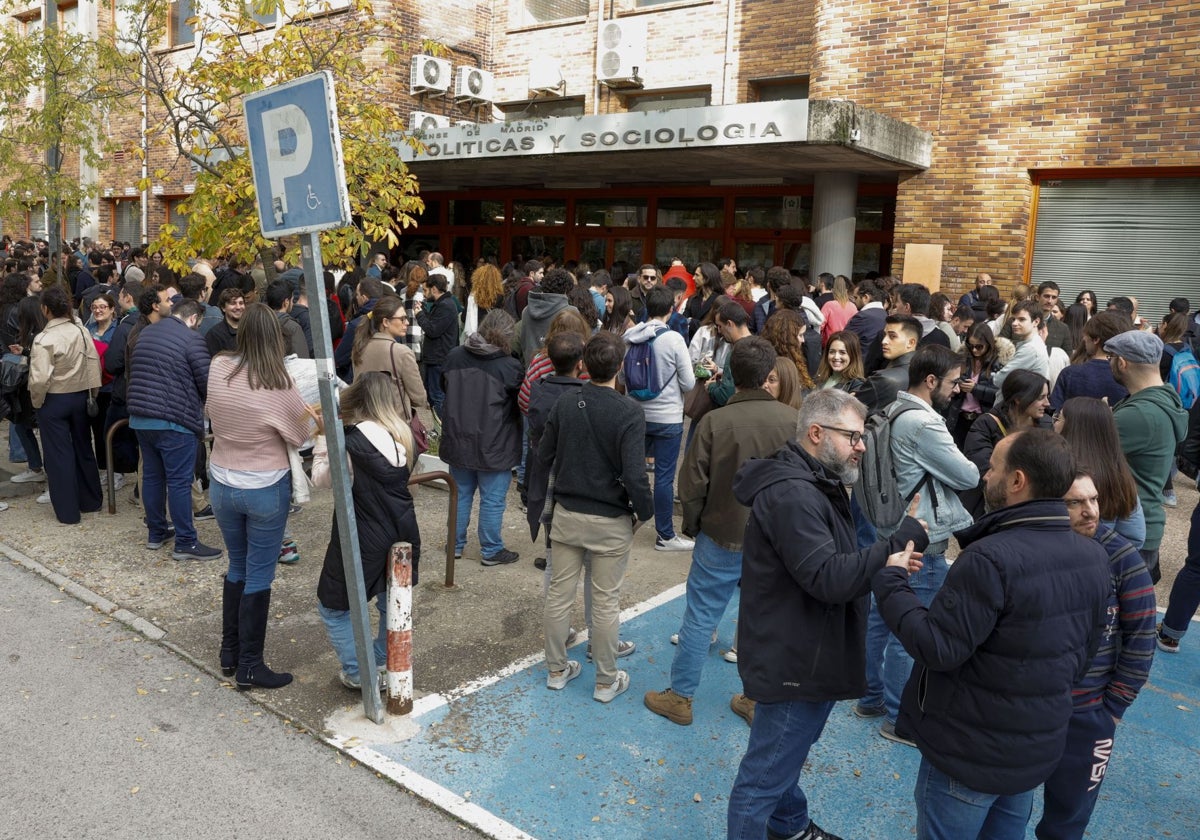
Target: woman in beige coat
(378,345)
(64,370)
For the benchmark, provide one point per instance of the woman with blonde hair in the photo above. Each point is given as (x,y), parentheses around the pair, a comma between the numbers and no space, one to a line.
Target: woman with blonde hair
(378,346)
(256,413)
(379,445)
(785,330)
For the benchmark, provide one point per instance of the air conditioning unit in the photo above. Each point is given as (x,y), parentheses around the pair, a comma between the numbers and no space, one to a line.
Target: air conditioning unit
(421,121)
(545,76)
(473,85)
(621,52)
(430,75)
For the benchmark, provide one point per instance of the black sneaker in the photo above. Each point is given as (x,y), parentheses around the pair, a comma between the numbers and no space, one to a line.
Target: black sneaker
(501,558)
(204,515)
(196,551)
(813,832)
(539,563)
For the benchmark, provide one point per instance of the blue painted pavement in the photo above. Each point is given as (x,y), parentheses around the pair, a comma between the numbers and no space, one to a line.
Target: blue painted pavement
(558,764)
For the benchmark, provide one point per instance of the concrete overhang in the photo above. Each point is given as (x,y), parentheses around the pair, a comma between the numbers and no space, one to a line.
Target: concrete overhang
(754,143)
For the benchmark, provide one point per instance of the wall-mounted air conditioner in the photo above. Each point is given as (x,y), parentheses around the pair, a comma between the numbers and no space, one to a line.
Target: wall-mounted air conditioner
(545,76)
(430,75)
(420,121)
(621,52)
(473,85)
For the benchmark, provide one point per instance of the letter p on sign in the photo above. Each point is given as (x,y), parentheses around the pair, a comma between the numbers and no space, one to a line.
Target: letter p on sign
(289,142)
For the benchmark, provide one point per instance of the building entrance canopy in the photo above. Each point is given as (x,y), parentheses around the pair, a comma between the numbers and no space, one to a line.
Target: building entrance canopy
(764,142)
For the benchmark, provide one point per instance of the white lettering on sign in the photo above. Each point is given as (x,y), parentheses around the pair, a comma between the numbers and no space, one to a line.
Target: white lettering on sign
(289,140)
(721,125)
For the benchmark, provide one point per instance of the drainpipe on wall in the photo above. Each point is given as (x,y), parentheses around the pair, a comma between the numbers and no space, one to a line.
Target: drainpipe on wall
(726,98)
(145,157)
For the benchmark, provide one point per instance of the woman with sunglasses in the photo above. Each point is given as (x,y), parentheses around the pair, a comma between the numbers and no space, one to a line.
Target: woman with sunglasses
(379,345)
(977,391)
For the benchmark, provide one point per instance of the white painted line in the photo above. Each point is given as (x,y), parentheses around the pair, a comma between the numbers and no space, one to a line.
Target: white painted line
(431,702)
(447,800)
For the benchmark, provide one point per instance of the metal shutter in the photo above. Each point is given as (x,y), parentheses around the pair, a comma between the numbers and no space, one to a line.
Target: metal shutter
(1120,236)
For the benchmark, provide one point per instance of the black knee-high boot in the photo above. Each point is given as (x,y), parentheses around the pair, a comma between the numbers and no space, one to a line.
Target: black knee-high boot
(231,600)
(252,635)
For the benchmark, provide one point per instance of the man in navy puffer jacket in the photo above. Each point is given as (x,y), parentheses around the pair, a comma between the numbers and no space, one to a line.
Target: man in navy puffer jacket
(997,652)
(168,381)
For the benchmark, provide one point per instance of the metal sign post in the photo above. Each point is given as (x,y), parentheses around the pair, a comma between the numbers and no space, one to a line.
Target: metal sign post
(300,181)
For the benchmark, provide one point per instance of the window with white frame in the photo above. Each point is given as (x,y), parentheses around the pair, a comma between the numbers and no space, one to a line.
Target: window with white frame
(533,12)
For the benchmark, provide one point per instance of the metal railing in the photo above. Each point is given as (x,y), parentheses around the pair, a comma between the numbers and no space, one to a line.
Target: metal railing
(420,478)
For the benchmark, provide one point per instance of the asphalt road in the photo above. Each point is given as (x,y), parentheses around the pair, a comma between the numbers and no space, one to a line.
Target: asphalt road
(109,735)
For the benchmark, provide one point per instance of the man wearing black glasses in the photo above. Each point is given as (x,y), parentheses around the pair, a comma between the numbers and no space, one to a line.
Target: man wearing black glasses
(803,615)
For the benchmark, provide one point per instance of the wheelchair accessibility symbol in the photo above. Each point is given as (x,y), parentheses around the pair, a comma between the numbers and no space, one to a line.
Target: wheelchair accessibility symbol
(313,201)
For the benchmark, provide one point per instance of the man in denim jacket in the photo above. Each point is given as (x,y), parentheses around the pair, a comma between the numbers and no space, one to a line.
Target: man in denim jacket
(926,460)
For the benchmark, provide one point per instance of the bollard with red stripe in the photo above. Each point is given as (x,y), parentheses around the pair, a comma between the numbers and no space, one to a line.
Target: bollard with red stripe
(399,630)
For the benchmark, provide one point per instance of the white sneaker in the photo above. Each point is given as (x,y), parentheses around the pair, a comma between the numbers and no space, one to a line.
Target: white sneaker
(606,694)
(3,505)
(559,682)
(44,499)
(675,638)
(118,481)
(730,655)
(676,543)
(29,477)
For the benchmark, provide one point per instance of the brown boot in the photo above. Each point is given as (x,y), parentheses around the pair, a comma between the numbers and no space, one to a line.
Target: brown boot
(670,705)
(743,707)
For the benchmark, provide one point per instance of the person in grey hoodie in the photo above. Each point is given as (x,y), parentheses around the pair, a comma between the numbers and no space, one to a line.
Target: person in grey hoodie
(540,310)
(664,412)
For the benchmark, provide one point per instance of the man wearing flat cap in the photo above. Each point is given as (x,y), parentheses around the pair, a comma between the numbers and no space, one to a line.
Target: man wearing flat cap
(1151,423)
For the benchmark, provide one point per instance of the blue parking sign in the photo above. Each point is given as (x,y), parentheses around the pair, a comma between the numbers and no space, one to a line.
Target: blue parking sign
(296,157)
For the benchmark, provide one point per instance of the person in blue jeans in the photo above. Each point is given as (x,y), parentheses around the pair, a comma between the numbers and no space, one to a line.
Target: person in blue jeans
(380,447)
(802,623)
(481,430)
(251,485)
(672,375)
(753,424)
(1021,607)
(929,468)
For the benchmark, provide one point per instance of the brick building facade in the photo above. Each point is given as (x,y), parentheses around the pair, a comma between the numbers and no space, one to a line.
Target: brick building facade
(1009,95)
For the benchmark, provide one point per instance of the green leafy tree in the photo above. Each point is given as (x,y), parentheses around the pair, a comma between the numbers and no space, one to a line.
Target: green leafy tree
(58,87)
(195,99)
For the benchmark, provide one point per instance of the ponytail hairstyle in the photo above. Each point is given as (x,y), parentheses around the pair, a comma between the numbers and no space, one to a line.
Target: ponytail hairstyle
(372,323)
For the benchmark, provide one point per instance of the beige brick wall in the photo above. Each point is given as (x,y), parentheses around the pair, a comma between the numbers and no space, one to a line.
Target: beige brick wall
(1009,88)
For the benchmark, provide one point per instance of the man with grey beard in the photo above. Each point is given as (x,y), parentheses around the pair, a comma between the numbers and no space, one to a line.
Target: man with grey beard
(803,622)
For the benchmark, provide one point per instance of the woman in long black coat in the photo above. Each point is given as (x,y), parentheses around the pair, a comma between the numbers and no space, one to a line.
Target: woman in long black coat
(379,446)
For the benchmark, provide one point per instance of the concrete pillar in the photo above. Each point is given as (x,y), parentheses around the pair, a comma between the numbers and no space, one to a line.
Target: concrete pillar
(834,197)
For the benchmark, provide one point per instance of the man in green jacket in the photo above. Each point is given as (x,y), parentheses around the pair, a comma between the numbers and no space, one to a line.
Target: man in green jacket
(1151,423)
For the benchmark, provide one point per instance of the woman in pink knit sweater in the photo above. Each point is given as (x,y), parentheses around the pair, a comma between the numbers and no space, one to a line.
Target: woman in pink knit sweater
(256,412)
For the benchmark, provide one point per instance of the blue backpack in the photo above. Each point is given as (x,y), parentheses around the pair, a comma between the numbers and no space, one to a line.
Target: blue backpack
(642,379)
(1185,375)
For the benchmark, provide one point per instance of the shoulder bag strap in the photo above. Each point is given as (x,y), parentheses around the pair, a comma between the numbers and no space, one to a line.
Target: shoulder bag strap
(403,396)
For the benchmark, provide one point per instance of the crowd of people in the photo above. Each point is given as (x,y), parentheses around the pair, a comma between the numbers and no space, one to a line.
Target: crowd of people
(830,446)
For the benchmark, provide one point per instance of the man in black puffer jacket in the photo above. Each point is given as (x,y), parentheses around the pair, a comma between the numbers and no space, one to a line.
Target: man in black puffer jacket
(996,654)
(802,626)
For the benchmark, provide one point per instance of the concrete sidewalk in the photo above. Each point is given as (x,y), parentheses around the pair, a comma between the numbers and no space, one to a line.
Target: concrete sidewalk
(109,735)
